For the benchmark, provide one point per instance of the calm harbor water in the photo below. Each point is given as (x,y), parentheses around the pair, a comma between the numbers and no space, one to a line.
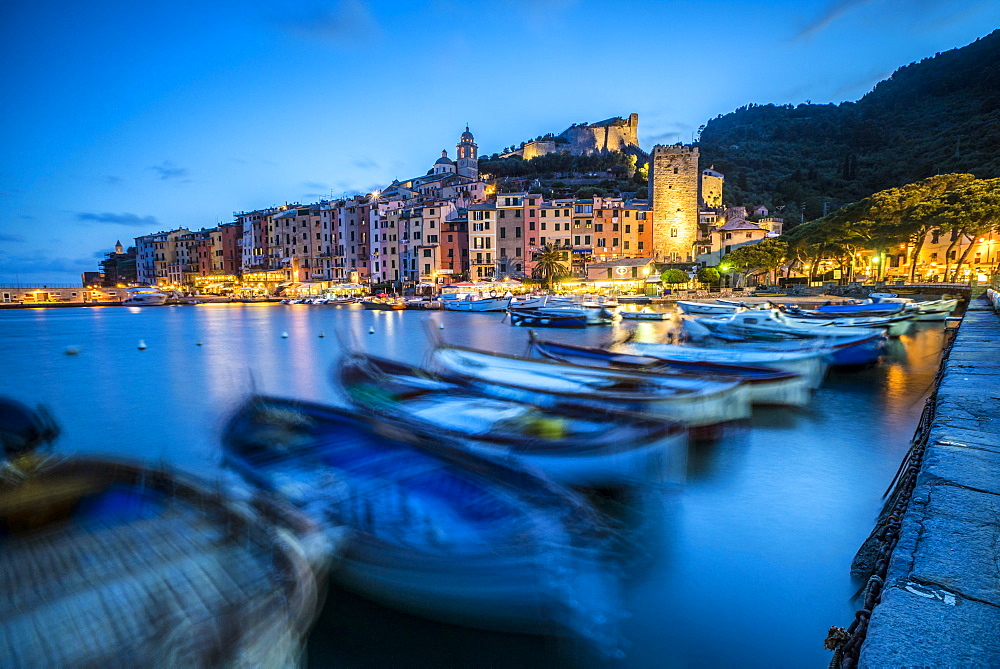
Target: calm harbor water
(744,564)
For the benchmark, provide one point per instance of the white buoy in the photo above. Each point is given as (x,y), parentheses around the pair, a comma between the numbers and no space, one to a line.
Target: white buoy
(72,350)
(142,344)
(440,326)
(284,335)
(321,335)
(371,330)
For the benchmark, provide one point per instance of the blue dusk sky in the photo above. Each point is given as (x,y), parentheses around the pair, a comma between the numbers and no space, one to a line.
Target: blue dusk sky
(123,118)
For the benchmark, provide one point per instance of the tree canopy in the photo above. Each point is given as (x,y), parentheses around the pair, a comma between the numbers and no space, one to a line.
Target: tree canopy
(749,260)
(897,218)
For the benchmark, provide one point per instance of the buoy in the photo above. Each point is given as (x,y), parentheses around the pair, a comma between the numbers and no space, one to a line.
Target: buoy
(371,330)
(321,335)
(284,335)
(142,344)
(72,350)
(440,326)
(198,344)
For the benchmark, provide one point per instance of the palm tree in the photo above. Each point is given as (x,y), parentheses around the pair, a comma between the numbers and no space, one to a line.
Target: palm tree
(548,264)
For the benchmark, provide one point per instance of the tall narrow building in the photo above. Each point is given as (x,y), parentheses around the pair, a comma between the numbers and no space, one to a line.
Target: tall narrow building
(468,155)
(673,193)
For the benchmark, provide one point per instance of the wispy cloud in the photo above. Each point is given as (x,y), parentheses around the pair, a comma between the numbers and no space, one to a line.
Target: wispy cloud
(166,171)
(315,185)
(11,238)
(124,218)
(343,23)
(830,13)
(111,179)
(365,164)
(907,14)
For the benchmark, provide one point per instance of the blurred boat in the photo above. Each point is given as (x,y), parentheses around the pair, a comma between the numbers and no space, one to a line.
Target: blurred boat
(700,308)
(810,363)
(847,346)
(549,317)
(435,531)
(109,564)
(574,446)
(865,308)
(694,402)
(381,304)
(933,310)
(895,325)
(646,314)
(767,385)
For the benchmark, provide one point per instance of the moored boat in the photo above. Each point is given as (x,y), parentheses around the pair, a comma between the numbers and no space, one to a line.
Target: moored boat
(382,305)
(694,402)
(575,446)
(435,531)
(895,325)
(108,563)
(144,297)
(475,302)
(847,346)
(865,308)
(646,314)
(767,385)
(716,308)
(548,317)
(933,310)
(810,363)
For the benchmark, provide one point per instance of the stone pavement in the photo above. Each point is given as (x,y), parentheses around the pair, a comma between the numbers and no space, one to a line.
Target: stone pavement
(941,602)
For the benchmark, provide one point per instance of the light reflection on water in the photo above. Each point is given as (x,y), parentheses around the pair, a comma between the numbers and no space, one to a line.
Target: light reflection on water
(746,565)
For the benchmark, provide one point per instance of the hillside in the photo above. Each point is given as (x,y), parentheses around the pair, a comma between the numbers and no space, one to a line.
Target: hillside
(939,115)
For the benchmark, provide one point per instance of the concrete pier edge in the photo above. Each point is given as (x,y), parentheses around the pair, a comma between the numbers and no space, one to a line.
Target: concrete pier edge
(940,606)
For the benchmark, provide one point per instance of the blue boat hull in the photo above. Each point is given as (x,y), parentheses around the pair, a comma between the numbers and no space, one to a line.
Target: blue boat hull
(546,319)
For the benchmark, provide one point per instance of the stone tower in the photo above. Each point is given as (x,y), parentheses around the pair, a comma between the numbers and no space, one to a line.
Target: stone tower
(468,155)
(673,192)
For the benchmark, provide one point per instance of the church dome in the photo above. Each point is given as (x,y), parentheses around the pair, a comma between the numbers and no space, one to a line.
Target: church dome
(467,134)
(444,159)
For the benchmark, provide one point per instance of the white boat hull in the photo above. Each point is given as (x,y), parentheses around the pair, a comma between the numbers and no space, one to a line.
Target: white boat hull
(811,366)
(548,384)
(700,308)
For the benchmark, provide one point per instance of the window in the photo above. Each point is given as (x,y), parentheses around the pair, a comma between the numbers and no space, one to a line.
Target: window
(531,225)
(517,251)
(729,235)
(542,241)
(640,246)
(749,235)
(628,229)
(601,241)
(576,240)
(584,208)
(614,227)
(614,241)
(502,214)
(503,253)
(517,213)
(477,227)
(675,170)
(503,233)
(427,253)
(478,215)
(598,227)
(543,225)
(531,212)
(544,213)
(642,228)
(557,213)
(625,245)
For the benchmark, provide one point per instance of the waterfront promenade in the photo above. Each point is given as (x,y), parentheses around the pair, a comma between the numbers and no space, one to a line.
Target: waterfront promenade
(941,602)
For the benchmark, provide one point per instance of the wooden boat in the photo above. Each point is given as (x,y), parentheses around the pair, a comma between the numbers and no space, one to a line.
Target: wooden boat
(699,308)
(895,325)
(575,446)
(110,563)
(435,531)
(933,310)
(474,302)
(847,346)
(548,317)
(810,363)
(865,308)
(767,385)
(646,314)
(382,305)
(694,402)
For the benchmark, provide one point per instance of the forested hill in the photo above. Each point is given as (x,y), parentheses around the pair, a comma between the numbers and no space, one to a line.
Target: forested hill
(936,116)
